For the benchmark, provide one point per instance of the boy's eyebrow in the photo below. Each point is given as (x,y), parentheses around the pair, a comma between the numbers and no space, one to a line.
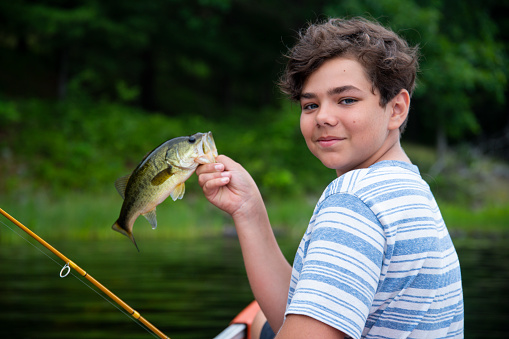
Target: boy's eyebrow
(330,92)
(341,89)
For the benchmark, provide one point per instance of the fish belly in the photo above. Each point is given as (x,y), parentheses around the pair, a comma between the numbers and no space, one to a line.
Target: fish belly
(162,192)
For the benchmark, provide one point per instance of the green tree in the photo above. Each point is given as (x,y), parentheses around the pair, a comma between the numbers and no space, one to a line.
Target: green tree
(161,54)
(212,57)
(462,59)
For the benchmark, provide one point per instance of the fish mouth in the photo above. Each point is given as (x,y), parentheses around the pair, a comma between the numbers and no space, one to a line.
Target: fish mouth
(207,149)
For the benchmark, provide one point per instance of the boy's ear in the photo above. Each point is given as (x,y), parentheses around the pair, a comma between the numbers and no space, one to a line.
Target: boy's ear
(399,106)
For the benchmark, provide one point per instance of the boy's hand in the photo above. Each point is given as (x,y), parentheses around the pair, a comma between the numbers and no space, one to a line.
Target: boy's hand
(227,185)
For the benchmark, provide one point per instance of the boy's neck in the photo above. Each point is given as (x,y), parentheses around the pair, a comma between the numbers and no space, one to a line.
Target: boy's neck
(394,152)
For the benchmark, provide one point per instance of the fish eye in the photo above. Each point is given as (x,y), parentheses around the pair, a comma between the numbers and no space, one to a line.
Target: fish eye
(191,140)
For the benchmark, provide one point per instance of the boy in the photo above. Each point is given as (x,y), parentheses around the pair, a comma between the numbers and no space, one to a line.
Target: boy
(376,260)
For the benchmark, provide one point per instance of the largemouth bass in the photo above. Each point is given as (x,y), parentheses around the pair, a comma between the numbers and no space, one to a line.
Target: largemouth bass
(160,174)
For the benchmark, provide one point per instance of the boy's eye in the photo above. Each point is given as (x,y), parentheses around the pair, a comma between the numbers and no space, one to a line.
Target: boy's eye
(309,106)
(348,101)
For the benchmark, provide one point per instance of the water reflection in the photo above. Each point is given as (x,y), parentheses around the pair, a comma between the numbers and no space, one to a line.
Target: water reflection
(485,273)
(188,289)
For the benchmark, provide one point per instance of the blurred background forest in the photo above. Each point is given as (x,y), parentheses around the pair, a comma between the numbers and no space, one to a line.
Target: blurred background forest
(88,87)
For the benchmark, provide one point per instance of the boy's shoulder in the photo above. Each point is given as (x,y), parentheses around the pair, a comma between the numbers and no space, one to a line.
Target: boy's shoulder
(378,176)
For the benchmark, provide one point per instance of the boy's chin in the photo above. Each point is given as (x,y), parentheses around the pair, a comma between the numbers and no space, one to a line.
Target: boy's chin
(330,165)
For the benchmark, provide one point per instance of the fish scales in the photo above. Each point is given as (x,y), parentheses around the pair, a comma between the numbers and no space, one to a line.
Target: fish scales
(160,174)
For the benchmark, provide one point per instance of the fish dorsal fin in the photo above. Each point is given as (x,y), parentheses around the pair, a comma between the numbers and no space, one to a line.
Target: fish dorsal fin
(178,192)
(121,184)
(151,217)
(162,176)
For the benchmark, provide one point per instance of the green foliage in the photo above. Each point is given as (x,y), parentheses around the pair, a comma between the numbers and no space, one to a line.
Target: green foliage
(462,59)
(486,219)
(77,145)
(9,113)
(59,162)
(81,145)
(269,144)
(88,88)
(209,57)
(88,215)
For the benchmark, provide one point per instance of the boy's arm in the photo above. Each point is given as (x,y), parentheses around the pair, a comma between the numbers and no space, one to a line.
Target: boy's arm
(229,186)
(268,271)
(303,327)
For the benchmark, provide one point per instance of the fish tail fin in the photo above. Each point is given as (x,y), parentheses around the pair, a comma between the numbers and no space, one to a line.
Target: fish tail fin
(116,226)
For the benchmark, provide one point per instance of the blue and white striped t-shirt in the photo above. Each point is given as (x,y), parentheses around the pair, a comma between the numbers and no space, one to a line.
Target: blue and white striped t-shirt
(377,260)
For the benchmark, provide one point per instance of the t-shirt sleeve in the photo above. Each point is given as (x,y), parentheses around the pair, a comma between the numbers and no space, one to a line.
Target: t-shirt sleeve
(341,265)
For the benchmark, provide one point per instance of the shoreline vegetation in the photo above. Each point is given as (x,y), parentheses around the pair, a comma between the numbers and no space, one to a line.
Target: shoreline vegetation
(57,172)
(83,216)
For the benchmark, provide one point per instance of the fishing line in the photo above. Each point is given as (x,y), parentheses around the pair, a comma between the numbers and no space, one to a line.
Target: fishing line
(66,266)
(111,303)
(28,241)
(78,278)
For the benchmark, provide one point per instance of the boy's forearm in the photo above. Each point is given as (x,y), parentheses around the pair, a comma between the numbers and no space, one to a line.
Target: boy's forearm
(268,270)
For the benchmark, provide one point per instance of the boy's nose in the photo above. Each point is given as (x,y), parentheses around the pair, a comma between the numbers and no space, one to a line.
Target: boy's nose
(325,116)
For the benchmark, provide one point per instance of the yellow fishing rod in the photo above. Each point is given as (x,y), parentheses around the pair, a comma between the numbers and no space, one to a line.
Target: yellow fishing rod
(69,264)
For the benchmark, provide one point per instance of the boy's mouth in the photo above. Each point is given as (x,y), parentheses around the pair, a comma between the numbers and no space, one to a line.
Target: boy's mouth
(328,141)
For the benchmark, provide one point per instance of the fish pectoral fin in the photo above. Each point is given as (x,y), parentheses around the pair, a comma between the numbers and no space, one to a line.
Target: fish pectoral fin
(121,184)
(151,217)
(178,192)
(162,176)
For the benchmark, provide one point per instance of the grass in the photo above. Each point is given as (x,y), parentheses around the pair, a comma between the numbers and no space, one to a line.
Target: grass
(90,216)
(85,215)
(473,200)
(486,219)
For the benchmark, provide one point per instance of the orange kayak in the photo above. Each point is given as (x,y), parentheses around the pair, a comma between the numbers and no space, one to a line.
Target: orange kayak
(240,326)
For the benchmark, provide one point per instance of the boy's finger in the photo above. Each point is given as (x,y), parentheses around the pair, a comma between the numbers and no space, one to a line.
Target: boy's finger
(209,168)
(205,177)
(211,186)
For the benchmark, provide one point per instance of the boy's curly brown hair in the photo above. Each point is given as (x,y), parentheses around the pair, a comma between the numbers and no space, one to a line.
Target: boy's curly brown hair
(390,64)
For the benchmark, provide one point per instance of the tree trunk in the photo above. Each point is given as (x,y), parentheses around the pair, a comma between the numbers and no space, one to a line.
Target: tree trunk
(441,145)
(63,73)
(147,79)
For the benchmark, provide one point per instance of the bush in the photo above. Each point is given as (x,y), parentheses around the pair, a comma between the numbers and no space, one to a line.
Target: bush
(84,145)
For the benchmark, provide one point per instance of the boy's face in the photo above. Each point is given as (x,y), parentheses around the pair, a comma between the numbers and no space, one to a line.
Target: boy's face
(342,121)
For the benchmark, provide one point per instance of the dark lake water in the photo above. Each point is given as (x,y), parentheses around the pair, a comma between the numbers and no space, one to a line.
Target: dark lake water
(186,288)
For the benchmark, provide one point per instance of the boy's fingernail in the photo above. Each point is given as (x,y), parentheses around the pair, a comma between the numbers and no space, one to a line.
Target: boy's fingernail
(219,167)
